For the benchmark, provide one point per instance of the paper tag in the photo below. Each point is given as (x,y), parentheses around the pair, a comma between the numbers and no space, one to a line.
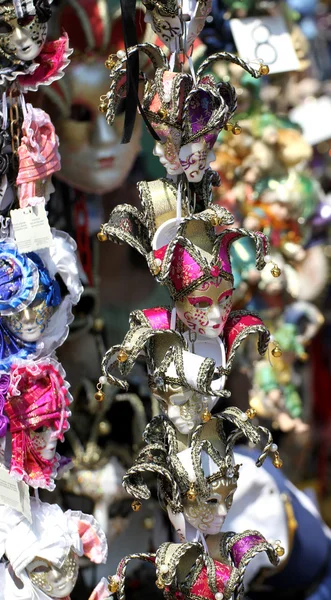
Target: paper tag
(15,494)
(314,116)
(266,39)
(31,228)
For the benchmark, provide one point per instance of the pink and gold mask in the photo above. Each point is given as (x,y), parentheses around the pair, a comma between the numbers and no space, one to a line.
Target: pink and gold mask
(37,407)
(206,309)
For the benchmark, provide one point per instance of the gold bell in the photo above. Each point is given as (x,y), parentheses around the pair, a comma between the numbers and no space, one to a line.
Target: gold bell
(160,583)
(206,416)
(264,69)
(136,505)
(101,236)
(113,584)
(277,461)
(251,413)
(156,269)
(275,271)
(99,396)
(228,126)
(162,113)
(191,495)
(214,221)
(276,352)
(111,61)
(122,356)
(279,550)
(103,107)
(236,130)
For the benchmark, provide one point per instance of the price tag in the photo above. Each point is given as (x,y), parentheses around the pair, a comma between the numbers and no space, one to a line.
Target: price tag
(31,228)
(15,494)
(265,39)
(314,117)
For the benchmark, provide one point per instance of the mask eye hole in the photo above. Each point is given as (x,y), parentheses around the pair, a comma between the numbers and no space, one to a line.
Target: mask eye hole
(81,113)
(5,28)
(25,21)
(40,430)
(211,501)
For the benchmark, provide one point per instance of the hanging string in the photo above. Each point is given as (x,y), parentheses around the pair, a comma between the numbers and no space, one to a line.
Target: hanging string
(179,201)
(4,111)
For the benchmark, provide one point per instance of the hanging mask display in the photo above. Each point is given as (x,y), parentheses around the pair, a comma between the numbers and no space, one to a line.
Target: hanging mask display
(40,559)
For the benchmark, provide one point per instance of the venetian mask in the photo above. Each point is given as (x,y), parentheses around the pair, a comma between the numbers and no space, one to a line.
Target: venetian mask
(168,156)
(54,581)
(30,323)
(206,309)
(167,28)
(183,407)
(208,514)
(93,158)
(195,158)
(20,39)
(44,440)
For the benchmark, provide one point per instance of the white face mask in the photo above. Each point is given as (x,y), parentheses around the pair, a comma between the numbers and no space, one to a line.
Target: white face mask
(168,29)
(30,323)
(195,158)
(92,156)
(172,168)
(24,39)
(57,583)
(44,442)
(208,515)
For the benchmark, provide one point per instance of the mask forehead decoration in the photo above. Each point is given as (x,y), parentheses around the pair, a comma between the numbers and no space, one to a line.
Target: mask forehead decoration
(37,398)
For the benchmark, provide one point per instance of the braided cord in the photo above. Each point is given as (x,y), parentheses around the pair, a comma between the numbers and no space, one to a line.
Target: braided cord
(228,57)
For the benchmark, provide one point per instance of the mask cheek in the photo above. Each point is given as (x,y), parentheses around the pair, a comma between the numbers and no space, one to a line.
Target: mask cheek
(14,323)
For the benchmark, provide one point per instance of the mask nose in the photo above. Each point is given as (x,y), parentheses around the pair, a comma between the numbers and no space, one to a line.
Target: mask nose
(221,510)
(103,135)
(57,576)
(19,35)
(157,150)
(27,316)
(215,312)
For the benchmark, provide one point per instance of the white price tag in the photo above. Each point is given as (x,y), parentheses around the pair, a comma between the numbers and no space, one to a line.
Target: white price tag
(266,39)
(314,117)
(31,228)
(15,494)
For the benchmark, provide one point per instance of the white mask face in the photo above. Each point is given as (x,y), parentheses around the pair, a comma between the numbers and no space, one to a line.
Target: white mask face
(207,515)
(93,158)
(44,442)
(24,39)
(206,309)
(195,158)
(57,583)
(183,407)
(172,167)
(168,29)
(30,323)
